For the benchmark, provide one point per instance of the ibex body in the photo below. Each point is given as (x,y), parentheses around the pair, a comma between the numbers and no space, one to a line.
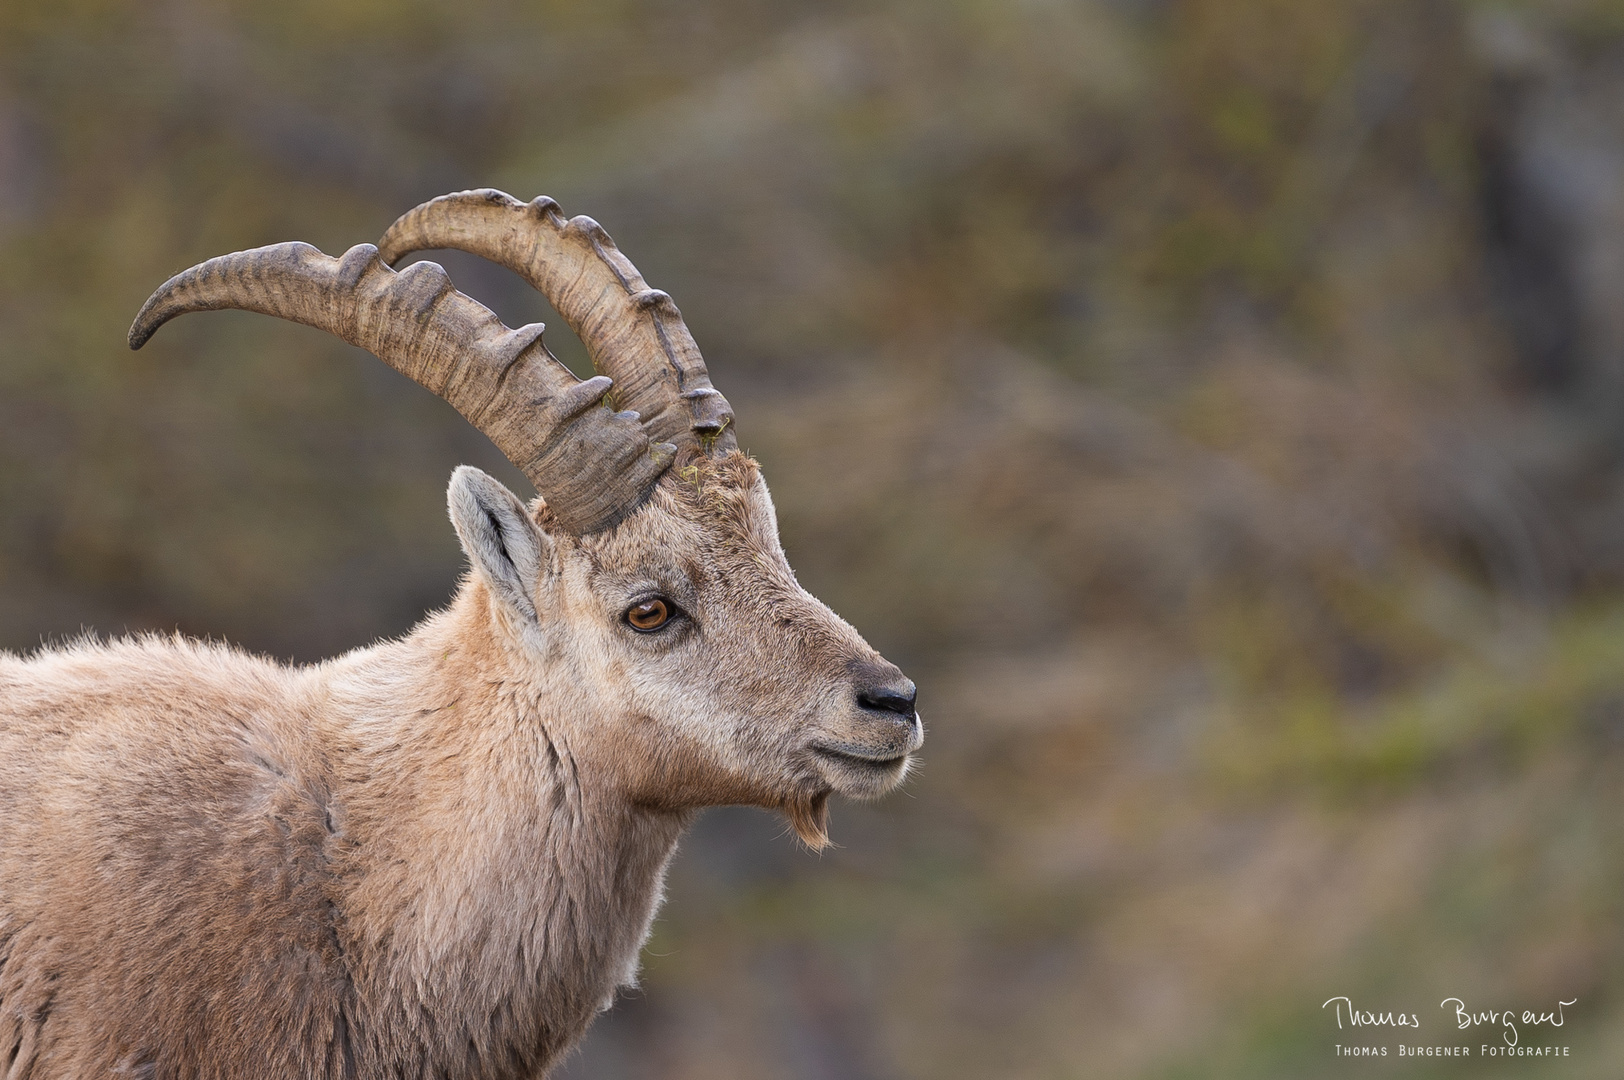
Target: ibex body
(437,856)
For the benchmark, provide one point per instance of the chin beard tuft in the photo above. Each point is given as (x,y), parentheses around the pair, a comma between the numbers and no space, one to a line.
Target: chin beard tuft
(810,818)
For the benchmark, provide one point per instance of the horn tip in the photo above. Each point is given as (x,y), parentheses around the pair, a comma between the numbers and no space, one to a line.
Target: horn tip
(146,322)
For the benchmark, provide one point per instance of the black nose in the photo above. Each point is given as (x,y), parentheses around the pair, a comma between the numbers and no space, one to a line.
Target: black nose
(897,698)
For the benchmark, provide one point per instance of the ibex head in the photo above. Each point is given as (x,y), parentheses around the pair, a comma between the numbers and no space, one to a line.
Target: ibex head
(647,585)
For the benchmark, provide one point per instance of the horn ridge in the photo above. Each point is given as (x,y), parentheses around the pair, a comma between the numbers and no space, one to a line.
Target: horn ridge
(592,466)
(633,333)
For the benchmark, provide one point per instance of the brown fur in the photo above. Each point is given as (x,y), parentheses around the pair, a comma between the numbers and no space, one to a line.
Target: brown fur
(433,857)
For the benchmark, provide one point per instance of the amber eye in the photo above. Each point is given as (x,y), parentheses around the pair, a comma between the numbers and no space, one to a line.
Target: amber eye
(649,615)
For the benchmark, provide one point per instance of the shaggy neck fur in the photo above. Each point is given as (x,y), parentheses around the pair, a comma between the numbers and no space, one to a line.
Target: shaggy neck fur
(511,893)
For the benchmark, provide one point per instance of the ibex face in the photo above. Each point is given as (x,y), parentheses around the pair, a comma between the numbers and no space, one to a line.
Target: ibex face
(738,686)
(649,585)
(705,674)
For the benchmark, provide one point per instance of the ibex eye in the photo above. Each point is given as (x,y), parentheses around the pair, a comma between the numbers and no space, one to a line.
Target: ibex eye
(650,614)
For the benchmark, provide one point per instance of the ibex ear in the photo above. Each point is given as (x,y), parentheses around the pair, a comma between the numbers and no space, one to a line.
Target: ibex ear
(503,544)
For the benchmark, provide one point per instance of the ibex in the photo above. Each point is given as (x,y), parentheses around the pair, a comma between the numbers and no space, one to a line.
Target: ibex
(437,856)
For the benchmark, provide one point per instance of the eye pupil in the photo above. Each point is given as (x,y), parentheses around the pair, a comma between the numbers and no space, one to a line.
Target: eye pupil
(649,615)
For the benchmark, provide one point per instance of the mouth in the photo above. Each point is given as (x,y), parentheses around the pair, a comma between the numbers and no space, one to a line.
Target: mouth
(860,770)
(857,757)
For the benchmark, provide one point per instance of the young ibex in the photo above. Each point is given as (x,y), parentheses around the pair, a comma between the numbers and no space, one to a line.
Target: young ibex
(438,856)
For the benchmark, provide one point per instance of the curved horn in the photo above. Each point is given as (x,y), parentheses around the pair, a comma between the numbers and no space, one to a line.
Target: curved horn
(593,466)
(633,333)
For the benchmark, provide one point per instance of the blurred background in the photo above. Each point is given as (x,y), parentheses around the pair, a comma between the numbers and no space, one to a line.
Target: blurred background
(1217,406)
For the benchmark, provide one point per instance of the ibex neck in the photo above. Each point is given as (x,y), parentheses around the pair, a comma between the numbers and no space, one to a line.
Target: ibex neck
(485,880)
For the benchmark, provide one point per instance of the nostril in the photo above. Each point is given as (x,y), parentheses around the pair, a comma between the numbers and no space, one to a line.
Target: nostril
(892,699)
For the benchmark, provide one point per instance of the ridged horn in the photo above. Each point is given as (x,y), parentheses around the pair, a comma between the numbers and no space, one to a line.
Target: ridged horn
(593,466)
(633,333)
